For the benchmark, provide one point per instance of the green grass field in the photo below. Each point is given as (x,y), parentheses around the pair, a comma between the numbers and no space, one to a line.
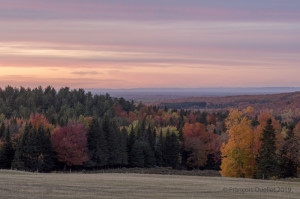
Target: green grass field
(17,185)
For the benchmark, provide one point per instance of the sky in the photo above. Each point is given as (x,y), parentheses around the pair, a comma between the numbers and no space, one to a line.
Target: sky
(150,44)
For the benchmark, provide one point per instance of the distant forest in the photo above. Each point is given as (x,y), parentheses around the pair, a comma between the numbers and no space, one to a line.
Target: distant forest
(46,130)
(285,105)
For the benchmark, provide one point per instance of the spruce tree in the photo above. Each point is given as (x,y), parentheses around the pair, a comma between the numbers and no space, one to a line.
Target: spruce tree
(130,143)
(123,147)
(151,135)
(267,165)
(34,151)
(141,131)
(92,144)
(137,155)
(149,148)
(149,157)
(46,158)
(31,150)
(112,132)
(159,151)
(6,152)
(19,158)
(96,145)
(172,150)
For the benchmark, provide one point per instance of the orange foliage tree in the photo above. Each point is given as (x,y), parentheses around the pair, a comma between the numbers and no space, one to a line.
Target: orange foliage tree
(37,120)
(239,153)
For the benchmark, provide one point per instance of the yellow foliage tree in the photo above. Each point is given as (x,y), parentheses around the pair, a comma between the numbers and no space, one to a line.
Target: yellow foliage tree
(238,154)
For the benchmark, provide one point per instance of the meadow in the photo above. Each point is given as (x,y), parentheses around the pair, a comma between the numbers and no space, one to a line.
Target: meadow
(19,184)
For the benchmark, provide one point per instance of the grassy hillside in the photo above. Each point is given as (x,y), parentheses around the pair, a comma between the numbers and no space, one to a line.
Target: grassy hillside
(17,184)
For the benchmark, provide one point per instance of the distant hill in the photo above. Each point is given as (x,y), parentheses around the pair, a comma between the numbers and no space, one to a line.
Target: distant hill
(286,104)
(157,94)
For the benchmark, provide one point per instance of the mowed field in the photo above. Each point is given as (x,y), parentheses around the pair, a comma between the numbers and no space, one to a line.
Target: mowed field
(18,184)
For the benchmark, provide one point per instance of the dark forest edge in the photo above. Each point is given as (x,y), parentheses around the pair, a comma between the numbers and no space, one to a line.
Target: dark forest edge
(46,130)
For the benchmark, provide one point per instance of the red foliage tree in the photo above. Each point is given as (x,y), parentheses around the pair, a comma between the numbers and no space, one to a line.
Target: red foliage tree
(70,144)
(200,144)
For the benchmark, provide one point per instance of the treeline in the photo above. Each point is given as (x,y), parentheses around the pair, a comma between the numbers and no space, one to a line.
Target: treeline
(78,130)
(100,144)
(57,106)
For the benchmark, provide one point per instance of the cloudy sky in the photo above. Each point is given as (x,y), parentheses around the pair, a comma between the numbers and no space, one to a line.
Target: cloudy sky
(143,43)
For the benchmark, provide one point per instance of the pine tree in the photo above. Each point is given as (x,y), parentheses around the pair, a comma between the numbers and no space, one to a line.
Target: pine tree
(267,165)
(6,152)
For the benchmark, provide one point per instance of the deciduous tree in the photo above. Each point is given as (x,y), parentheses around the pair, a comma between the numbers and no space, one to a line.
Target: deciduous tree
(69,142)
(238,154)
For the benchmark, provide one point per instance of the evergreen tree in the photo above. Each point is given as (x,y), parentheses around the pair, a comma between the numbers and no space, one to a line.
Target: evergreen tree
(267,165)
(96,145)
(19,158)
(130,143)
(159,150)
(151,135)
(112,132)
(149,148)
(2,130)
(6,152)
(92,144)
(34,151)
(172,150)
(46,158)
(183,154)
(141,131)
(288,160)
(149,157)
(137,155)
(123,146)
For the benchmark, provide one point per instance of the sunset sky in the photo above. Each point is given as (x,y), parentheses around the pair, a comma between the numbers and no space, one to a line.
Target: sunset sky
(150,43)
